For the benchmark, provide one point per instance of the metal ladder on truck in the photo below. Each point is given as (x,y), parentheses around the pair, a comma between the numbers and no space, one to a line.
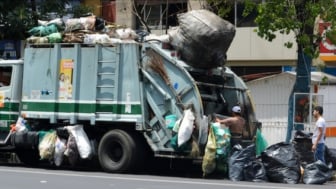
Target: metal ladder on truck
(107,79)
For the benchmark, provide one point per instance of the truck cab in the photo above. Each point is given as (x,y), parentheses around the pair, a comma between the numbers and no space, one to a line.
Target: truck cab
(10,94)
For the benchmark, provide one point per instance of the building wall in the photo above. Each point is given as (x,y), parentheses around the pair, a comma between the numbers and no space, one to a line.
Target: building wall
(124,14)
(248,49)
(270,96)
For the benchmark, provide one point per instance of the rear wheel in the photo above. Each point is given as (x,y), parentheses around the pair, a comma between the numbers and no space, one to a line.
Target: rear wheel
(117,151)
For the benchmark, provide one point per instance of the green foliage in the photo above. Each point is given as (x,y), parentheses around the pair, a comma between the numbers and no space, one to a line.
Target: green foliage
(53,6)
(221,7)
(82,10)
(332,36)
(298,16)
(14,18)
(17,16)
(286,16)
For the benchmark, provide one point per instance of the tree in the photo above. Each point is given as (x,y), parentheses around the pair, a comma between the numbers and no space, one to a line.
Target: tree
(18,16)
(299,17)
(14,19)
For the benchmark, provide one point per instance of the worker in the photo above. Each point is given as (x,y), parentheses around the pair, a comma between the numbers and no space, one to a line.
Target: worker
(235,124)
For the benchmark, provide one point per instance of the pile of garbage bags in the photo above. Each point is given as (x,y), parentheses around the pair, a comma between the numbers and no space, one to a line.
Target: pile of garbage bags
(70,141)
(280,163)
(54,145)
(198,31)
(88,30)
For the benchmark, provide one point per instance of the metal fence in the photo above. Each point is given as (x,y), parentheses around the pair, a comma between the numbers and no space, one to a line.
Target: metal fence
(275,132)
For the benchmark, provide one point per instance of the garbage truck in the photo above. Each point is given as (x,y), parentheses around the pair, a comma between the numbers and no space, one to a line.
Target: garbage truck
(127,98)
(123,102)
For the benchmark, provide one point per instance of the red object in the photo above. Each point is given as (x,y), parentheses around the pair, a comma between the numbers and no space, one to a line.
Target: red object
(325,46)
(109,11)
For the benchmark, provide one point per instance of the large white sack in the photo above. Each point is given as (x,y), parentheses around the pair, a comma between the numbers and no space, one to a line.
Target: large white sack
(186,127)
(82,140)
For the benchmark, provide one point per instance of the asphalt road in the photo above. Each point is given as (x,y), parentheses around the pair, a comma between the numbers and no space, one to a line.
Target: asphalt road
(20,177)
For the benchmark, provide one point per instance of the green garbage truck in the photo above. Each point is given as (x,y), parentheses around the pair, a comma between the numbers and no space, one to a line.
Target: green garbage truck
(128,98)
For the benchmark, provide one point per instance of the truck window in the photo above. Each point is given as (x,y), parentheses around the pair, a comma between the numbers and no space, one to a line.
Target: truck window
(5,75)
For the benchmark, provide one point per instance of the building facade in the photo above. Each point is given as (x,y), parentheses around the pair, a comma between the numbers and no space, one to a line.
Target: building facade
(248,54)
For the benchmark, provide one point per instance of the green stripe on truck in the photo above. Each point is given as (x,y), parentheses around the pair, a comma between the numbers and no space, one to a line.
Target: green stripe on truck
(81,107)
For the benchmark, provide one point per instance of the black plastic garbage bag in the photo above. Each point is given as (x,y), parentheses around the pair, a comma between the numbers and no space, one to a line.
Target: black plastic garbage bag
(330,157)
(281,163)
(317,173)
(255,171)
(238,160)
(303,144)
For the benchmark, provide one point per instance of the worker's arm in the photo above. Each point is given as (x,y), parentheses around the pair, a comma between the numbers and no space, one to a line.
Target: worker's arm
(223,121)
(318,138)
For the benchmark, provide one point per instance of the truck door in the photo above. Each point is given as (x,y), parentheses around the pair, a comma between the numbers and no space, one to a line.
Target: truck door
(10,93)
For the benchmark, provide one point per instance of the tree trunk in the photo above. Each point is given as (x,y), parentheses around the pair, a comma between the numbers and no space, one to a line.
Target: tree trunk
(302,85)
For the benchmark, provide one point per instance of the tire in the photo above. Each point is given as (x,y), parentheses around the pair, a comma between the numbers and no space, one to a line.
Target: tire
(117,152)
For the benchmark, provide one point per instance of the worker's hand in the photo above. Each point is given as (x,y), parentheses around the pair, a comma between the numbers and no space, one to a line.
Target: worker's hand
(314,147)
(217,120)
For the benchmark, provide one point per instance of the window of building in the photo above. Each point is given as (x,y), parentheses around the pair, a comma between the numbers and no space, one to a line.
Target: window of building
(158,14)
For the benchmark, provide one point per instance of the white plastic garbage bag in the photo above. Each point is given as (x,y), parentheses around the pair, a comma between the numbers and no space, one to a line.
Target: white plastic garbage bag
(82,141)
(60,147)
(186,127)
(20,125)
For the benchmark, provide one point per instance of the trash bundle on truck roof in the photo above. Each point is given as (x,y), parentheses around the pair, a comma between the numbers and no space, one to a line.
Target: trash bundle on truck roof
(202,38)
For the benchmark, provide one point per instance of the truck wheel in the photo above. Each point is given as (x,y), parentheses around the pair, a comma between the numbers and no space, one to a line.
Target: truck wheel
(117,151)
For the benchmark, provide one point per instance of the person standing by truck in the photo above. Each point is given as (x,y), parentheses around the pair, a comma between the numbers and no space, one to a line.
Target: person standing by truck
(235,124)
(318,138)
